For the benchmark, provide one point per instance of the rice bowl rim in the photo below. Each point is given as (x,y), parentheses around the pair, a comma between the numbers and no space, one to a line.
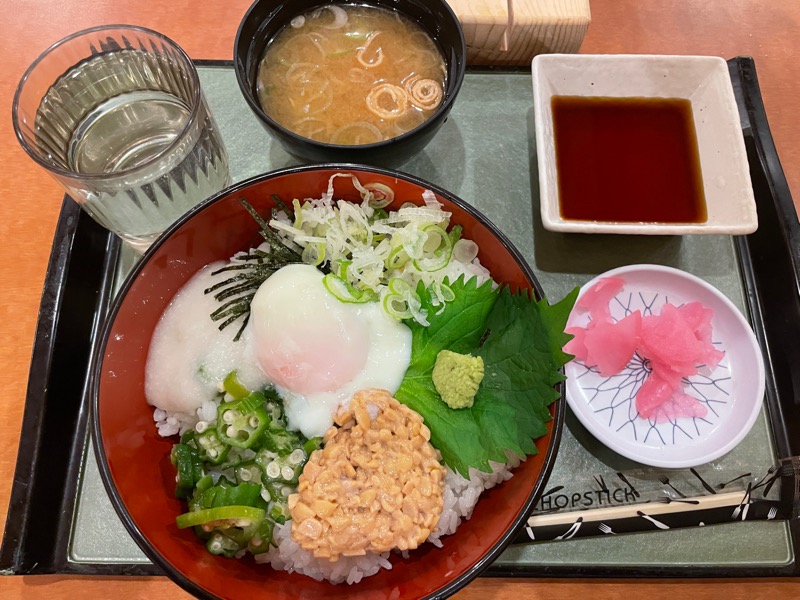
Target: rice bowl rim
(558,407)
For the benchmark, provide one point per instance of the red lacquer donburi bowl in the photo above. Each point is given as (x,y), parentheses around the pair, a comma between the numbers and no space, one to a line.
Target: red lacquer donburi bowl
(134,460)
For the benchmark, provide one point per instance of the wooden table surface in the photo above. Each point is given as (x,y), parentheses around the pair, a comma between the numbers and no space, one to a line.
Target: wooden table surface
(766,30)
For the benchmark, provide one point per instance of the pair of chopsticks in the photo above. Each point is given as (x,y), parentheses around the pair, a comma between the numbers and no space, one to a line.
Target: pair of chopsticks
(675,513)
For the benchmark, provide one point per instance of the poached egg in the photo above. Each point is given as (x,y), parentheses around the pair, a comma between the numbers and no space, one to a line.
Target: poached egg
(319,351)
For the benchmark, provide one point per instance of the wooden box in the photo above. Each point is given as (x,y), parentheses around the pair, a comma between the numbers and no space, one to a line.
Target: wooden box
(512,32)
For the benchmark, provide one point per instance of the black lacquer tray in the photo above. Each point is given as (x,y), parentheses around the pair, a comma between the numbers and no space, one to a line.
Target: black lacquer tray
(80,282)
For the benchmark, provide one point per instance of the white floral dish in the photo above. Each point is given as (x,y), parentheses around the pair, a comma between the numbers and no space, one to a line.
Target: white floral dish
(732,392)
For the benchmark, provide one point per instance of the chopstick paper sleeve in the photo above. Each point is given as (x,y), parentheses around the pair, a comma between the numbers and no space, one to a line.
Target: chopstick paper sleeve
(652,516)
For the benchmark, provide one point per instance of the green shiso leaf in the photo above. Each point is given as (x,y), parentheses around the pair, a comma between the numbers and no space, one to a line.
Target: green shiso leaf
(458,328)
(520,341)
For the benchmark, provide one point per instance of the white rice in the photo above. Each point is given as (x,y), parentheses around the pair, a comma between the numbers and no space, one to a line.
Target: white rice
(169,424)
(289,556)
(460,497)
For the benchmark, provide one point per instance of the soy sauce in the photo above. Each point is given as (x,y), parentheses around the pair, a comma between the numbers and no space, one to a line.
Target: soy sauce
(627,160)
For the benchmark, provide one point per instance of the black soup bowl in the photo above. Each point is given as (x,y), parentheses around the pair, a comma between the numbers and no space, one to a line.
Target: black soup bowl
(266,18)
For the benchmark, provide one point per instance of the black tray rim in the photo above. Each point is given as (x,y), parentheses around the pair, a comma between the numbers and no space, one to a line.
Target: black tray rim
(22,554)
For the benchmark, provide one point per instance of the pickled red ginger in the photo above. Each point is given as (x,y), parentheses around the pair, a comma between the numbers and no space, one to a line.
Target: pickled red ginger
(674,344)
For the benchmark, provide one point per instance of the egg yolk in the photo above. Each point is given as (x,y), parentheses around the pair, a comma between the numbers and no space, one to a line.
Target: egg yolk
(306,340)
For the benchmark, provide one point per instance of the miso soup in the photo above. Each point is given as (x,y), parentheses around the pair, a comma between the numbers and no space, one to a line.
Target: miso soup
(351,75)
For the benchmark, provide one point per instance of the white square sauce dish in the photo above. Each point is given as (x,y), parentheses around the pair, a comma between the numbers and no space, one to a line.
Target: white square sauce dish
(640,144)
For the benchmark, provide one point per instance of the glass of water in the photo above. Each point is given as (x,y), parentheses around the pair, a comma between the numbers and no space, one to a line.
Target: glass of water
(117,116)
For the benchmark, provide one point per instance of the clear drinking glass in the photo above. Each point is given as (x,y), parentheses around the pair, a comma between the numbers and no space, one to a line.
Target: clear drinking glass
(116,115)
